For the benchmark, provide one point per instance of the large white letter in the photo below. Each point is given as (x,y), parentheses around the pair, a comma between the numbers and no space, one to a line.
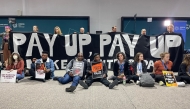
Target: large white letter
(51,43)
(84,39)
(114,44)
(104,40)
(172,41)
(55,64)
(109,63)
(131,44)
(31,44)
(71,50)
(18,39)
(63,64)
(155,52)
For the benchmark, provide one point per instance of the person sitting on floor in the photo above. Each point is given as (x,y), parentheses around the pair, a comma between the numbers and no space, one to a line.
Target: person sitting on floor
(102,69)
(47,65)
(184,69)
(75,71)
(120,68)
(16,63)
(139,67)
(162,65)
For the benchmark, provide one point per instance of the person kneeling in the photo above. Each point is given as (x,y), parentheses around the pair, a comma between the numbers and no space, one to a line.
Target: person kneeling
(75,71)
(16,63)
(99,75)
(45,64)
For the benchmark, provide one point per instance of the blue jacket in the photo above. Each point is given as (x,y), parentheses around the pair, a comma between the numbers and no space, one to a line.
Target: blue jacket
(49,64)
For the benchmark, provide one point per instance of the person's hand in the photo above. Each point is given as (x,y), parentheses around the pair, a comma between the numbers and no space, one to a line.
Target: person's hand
(47,71)
(33,60)
(104,75)
(70,74)
(11,70)
(91,72)
(137,74)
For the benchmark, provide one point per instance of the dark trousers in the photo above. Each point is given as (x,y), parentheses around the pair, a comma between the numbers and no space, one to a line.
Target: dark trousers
(133,77)
(185,78)
(33,74)
(159,78)
(90,80)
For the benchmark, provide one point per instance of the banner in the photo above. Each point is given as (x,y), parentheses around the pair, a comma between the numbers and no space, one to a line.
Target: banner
(97,69)
(180,27)
(7,76)
(170,78)
(64,48)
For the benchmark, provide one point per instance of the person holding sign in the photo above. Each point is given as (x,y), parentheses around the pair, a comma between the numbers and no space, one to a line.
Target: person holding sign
(184,69)
(45,64)
(75,71)
(139,67)
(120,67)
(16,63)
(162,65)
(97,71)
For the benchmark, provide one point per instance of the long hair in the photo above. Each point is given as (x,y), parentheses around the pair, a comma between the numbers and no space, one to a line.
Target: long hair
(136,59)
(59,30)
(186,61)
(11,60)
(117,55)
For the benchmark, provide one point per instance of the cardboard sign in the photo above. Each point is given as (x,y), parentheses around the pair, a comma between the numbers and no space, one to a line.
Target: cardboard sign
(7,76)
(169,78)
(78,67)
(97,69)
(39,73)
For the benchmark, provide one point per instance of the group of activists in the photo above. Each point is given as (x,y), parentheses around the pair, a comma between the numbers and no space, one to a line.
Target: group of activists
(123,71)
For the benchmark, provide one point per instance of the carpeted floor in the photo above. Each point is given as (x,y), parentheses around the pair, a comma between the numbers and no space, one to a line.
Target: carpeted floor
(51,95)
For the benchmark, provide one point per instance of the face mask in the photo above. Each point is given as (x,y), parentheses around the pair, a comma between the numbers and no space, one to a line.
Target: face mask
(15,57)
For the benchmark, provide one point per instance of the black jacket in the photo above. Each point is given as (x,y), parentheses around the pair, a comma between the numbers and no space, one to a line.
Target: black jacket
(182,70)
(144,68)
(105,71)
(116,68)
(70,67)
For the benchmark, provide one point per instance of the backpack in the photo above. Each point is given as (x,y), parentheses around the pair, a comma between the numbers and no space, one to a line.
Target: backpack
(146,80)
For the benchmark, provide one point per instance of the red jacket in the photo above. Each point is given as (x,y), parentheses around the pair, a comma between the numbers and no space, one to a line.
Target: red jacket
(19,67)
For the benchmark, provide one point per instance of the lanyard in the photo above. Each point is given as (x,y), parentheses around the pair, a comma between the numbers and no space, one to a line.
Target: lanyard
(165,66)
(139,67)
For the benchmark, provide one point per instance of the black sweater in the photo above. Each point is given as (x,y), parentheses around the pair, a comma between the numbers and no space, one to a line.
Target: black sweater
(144,68)
(182,70)
(116,68)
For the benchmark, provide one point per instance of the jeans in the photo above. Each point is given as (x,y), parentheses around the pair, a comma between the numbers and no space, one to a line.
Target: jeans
(67,78)
(20,76)
(104,81)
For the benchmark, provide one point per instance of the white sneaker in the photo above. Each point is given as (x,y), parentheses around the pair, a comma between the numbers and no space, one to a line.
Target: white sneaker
(138,82)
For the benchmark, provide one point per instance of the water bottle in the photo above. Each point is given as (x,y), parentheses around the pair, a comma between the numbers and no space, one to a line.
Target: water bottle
(124,80)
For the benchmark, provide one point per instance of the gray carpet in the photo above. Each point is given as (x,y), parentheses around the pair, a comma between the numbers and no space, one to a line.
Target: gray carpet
(51,95)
